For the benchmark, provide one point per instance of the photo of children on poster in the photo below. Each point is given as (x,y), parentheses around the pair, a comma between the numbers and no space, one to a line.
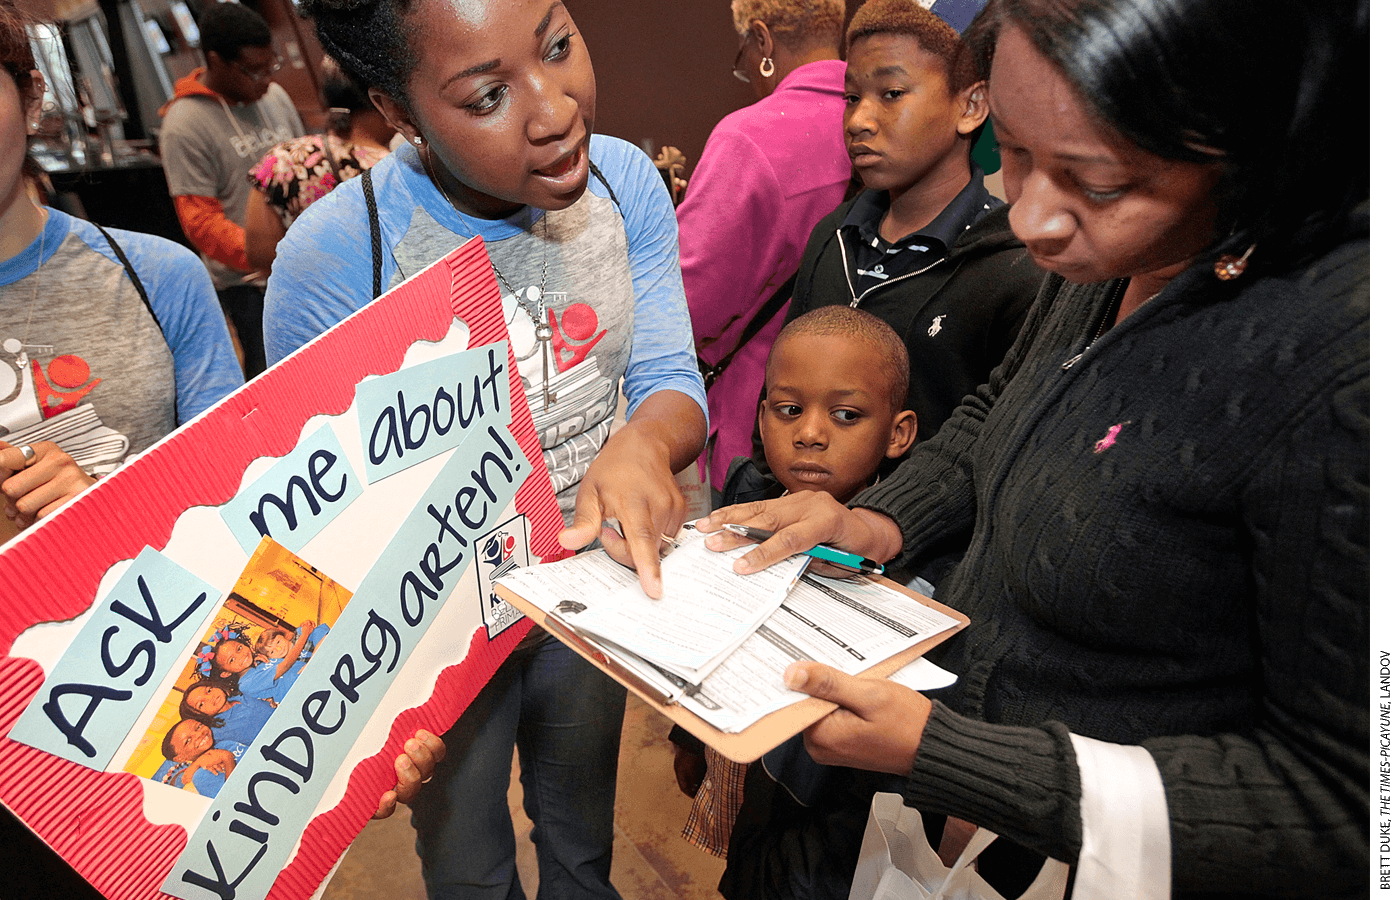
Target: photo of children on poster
(265,633)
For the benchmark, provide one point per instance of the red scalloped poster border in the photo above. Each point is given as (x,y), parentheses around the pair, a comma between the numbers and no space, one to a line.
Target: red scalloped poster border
(52,572)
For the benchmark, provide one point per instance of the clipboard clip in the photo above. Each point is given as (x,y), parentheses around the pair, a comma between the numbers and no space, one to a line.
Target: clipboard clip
(580,643)
(689,689)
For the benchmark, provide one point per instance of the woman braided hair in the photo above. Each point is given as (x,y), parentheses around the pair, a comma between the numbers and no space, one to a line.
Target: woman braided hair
(497,104)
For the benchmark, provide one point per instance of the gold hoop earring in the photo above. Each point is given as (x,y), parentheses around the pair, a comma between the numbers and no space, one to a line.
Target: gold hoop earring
(766,68)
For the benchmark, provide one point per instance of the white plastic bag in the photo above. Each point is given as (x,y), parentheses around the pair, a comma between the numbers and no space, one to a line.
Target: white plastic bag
(898,863)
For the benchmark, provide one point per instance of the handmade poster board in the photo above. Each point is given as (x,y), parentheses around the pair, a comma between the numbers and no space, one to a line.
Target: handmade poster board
(391,469)
(765,734)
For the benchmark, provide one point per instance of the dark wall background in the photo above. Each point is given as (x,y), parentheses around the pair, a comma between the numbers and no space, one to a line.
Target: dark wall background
(663,69)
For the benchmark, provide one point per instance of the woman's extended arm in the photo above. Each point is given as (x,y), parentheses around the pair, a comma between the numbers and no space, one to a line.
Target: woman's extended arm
(632,478)
(262,230)
(633,481)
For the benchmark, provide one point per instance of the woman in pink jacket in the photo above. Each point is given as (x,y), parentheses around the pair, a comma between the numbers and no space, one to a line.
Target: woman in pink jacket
(768,174)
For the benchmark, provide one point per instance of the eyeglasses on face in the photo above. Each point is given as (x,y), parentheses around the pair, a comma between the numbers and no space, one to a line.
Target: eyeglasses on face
(738,72)
(260,73)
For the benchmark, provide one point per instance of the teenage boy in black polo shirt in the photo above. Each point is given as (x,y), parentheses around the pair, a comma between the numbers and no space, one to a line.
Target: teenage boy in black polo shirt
(925,246)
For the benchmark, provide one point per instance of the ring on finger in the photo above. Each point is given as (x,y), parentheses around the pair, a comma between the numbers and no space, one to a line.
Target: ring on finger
(29,454)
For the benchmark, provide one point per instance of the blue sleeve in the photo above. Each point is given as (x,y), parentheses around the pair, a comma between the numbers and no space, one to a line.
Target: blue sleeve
(244,720)
(323,271)
(207,783)
(318,634)
(663,346)
(258,680)
(284,685)
(178,285)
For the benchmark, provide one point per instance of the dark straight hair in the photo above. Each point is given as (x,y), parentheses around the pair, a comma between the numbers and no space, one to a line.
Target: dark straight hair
(1274,89)
(16,54)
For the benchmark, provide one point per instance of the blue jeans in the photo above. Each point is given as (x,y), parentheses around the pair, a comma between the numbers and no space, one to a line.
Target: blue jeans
(566,717)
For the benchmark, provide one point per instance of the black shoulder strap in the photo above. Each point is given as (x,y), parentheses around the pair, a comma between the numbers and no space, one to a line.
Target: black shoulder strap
(599,172)
(145,298)
(131,273)
(375,248)
(375,241)
(759,321)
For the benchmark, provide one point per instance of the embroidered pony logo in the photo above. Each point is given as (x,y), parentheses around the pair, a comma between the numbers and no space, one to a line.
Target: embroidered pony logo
(936,327)
(1111,438)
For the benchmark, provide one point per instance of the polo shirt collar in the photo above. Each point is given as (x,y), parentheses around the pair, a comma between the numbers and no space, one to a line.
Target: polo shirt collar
(959,215)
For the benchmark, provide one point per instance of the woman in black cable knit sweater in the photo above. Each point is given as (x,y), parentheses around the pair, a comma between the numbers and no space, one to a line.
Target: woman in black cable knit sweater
(1168,477)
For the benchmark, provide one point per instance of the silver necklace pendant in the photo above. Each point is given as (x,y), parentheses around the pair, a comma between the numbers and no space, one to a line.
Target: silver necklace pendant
(548,397)
(545,350)
(535,296)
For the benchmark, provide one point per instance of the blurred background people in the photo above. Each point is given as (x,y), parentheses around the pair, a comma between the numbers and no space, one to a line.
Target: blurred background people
(296,173)
(108,340)
(222,120)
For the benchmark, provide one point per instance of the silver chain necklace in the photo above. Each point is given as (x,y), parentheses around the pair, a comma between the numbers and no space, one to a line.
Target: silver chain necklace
(533,295)
(38,264)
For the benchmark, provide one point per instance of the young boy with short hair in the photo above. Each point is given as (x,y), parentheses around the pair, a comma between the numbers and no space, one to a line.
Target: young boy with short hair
(925,246)
(833,417)
(928,250)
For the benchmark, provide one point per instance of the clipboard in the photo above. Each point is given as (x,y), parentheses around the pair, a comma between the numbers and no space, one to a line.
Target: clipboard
(768,732)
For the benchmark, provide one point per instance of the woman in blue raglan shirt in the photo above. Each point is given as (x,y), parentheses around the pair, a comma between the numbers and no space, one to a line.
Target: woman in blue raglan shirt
(497,104)
(91,371)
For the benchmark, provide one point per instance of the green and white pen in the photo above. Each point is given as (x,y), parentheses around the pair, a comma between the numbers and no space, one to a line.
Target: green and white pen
(841,558)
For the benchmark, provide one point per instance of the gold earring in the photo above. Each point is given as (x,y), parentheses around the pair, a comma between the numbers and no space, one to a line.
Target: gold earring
(766,68)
